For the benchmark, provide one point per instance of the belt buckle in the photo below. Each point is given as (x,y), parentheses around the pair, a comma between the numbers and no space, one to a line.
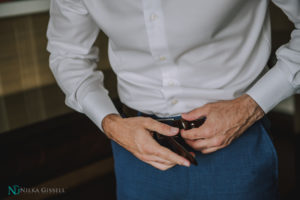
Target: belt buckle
(176,143)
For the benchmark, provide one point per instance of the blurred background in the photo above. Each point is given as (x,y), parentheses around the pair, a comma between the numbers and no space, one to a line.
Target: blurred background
(46,146)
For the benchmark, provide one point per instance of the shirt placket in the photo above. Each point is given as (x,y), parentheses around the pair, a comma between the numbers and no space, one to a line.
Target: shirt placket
(155,27)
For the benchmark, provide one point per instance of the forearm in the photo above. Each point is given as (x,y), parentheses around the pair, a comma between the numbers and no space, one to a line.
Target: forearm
(73,60)
(283,80)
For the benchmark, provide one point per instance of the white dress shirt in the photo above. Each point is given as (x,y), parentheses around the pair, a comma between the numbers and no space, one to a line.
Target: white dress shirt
(171,56)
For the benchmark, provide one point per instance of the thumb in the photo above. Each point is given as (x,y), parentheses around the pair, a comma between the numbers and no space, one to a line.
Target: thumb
(194,114)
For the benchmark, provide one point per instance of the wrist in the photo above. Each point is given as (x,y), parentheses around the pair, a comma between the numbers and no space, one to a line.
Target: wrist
(253,110)
(108,122)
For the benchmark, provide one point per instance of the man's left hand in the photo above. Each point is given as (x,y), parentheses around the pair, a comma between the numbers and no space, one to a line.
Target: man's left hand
(225,121)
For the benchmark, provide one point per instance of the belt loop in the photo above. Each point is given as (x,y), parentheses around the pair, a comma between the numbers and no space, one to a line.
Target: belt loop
(139,114)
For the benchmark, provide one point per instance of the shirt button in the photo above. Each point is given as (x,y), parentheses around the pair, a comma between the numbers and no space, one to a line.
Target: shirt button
(174,101)
(171,83)
(162,58)
(153,17)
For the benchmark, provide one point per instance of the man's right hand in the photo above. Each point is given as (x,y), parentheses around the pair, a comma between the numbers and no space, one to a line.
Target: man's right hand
(134,134)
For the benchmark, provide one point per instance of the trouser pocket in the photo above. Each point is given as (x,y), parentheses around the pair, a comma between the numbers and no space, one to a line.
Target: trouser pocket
(266,127)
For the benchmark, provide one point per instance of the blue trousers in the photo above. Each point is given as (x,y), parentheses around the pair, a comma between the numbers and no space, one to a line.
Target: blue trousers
(247,169)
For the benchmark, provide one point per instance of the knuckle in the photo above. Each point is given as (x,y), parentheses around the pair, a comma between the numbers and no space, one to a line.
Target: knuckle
(186,136)
(162,128)
(193,134)
(165,127)
(146,149)
(206,107)
(218,141)
(147,121)
(143,157)
(196,147)
(183,133)
(194,144)
(169,155)
(155,153)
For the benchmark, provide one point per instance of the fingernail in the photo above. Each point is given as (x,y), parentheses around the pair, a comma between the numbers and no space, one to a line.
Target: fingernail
(186,163)
(174,130)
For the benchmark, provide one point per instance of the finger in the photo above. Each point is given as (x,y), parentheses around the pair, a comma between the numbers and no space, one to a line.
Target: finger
(160,166)
(167,154)
(195,114)
(160,160)
(193,144)
(197,133)
(212,149)
(153,150)
(152,153)
(159,127)
(206,143)
(153,158)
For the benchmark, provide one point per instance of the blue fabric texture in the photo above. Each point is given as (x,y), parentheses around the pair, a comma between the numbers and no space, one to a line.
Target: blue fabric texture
(247,169)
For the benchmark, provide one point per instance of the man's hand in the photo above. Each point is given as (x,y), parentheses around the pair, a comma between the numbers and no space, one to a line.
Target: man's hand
(225,121)
(134,134)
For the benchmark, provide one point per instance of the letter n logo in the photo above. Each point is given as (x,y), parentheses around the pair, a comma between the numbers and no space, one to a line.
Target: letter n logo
(13,190)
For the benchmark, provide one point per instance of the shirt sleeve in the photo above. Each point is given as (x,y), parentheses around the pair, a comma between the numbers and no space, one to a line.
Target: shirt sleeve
(73,59)
(283,80)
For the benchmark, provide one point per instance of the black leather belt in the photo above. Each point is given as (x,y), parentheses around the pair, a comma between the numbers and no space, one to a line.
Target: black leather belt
(175,143)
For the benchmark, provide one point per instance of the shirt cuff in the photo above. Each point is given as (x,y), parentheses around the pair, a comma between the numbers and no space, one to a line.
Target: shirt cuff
(96,105)
(271,89)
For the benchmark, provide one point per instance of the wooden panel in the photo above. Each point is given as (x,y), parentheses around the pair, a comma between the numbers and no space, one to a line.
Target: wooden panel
(16,110)
(39,29)
(9,64)
(24,59)
(28,89)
